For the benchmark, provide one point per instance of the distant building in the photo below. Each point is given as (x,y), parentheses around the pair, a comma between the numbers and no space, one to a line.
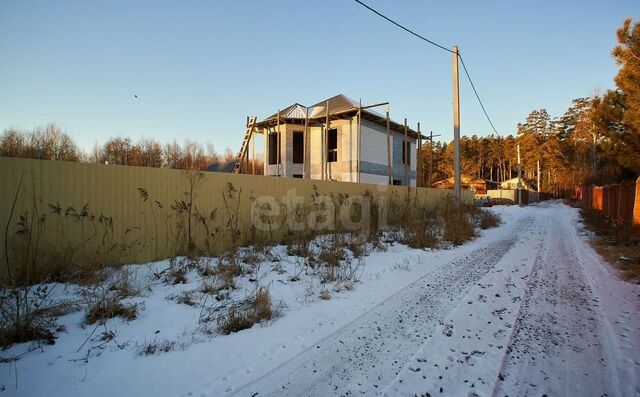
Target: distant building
(513,184)
(225,166)
(476,185)
(351,148)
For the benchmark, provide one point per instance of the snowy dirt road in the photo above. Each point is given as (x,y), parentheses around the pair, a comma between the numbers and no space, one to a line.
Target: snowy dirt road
(532,313)
(525,309)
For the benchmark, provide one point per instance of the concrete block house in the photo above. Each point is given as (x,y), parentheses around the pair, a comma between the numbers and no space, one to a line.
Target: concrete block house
(339,139)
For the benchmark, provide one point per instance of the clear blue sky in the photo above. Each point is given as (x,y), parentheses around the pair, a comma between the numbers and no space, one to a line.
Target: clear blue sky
(199,68)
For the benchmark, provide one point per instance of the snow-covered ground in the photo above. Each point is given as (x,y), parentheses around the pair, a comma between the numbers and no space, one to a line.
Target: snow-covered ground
(527,308)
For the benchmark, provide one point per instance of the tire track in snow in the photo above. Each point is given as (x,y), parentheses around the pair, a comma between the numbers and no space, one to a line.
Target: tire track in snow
(557,345)
(628,366)
(468,361)
(371,351)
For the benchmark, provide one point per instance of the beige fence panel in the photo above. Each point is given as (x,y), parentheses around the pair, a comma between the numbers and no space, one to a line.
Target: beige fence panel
(504,196)
(68,213)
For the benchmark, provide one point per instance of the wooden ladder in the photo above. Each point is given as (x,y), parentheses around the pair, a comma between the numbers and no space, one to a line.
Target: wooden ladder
(251,125)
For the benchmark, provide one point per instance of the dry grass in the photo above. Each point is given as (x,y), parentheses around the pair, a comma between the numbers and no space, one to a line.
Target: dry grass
(28,314)
(614,242)
(155,347)
(218,287)
(211,286)
(457,224)
(425,226)
(422,229)
(487,219)
(125,285)
(226,272)
(183,298)
(299,244)
(205,269)
(357,245)
(234,321)
(103,303)
(19,326)
(243,316)
(63,272)
(11,334)
(109,307)
(332,251)
(262,305)
(177,272)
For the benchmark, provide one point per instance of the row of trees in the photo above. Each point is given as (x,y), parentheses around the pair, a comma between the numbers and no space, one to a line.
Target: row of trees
(149,153)
(51,143)
(597,139)
(48,143)
(563,147)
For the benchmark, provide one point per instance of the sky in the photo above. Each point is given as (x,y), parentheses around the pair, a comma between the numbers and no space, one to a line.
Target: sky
(200,68)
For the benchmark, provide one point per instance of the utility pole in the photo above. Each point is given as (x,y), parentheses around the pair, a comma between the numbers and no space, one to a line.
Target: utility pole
(305,151)
(538,173)
(456,129)
(405,151)
(359,148)
(594,152)
(519,179)
(419,168)
(326,144)
(278,144)
(253,153)
(431,136)
(430,158)
(389,147)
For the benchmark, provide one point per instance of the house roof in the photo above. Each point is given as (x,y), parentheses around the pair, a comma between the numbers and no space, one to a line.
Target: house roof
(338,105)
(464,180)
(295,111)
(514,181)
(225,166)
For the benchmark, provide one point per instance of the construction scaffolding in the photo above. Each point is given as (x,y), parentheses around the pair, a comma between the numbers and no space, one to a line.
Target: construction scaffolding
(322,115)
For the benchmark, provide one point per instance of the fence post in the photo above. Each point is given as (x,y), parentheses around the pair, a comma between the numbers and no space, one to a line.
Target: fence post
(636,204)
(619,201)
(610,202)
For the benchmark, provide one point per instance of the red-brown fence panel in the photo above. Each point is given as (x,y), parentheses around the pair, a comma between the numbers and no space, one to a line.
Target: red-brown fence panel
(614,202)
(627,198)
(619,202)
(597,197)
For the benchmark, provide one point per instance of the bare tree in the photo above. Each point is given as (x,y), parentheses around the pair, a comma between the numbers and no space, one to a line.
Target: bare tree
(173,155)
(47,143)
(12,143)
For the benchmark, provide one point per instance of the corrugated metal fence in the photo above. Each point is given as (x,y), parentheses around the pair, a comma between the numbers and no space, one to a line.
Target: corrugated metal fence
(510,196)
(618,202)
(70,213)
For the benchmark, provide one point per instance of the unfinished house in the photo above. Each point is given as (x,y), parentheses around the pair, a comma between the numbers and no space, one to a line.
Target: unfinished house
(336,139)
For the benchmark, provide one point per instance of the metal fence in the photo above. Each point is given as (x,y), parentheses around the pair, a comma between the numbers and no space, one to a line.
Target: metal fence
(72,213)
(618,202)
(510,196)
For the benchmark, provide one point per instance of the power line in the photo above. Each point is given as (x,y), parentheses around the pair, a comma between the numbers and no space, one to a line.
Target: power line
(478,96)
(441,47)
(403,28)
